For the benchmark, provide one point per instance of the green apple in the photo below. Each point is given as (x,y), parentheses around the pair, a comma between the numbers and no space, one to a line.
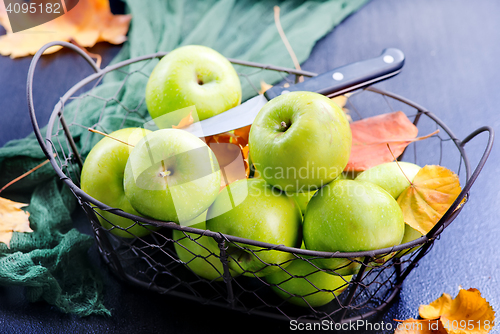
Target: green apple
(391,177)
(171,175)
(199,253)
(305,285)
(256,173)
(300,141)
(410,235)
(348,175)
(302,199)
(252,209)
(192,75)
(102,178)
(394,179)
(351,216)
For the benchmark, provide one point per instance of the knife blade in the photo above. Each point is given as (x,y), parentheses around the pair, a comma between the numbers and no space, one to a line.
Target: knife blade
(332,83)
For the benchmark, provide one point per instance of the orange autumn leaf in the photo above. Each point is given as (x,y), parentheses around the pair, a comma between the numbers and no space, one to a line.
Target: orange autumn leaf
(238,137)
(468,313)
(242,135)
(186,121)
(246,151)
(264,86)
(231,162)
(414,326)
(425,201)
(12,219)
(231,150)
(89,22)
(370,137)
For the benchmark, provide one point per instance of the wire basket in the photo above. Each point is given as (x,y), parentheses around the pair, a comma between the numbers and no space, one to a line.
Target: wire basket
(151,261)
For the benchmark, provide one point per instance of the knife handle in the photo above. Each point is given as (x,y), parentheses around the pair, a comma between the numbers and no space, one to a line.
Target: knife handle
(349,77)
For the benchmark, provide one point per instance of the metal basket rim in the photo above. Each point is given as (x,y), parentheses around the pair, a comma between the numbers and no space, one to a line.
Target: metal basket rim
(46,146)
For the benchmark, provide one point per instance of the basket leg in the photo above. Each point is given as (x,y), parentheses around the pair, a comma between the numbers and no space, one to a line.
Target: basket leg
(103,238)
(354,287)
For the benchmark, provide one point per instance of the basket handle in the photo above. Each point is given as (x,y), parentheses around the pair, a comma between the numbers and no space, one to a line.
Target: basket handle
(29,94)
(465,191)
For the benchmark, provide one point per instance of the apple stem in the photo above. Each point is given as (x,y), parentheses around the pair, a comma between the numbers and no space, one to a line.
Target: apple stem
(284,125)
(25,174)
(106,135)
(165,173)
(96,56)
(397,163)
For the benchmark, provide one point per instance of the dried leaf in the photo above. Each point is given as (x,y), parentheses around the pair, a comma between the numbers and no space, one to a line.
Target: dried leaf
(466,314)
(231,162)
(89,22)
(370,137)
(425,201)
(340,100)
(264,86)
(12,219)
(246,151)
(186,121)
(471,307)
(231,150)
(238,137)
(414,326)
(242,135)
(436,308)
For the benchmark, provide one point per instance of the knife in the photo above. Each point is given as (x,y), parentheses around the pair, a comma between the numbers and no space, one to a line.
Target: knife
(332,83)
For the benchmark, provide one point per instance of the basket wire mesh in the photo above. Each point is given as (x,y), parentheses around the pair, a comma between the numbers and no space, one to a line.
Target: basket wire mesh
(151,261)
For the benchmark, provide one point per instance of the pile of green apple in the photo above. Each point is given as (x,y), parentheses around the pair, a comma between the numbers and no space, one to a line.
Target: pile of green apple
(299,145)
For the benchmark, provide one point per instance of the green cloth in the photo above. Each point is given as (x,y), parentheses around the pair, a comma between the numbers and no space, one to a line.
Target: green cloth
(51,262)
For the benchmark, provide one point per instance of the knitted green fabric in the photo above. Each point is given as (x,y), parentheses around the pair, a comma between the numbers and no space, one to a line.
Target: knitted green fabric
(52,261)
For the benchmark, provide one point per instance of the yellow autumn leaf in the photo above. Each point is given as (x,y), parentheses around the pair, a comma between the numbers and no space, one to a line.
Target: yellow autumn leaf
(425,201)
(414,326)
(340,100)
(12,219)
(468,313)
(89,22)
(436,308)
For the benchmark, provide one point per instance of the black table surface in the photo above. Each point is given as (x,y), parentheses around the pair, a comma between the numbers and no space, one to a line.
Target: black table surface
(451,68)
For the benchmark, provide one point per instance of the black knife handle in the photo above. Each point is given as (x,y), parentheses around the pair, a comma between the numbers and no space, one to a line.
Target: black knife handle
(349,77)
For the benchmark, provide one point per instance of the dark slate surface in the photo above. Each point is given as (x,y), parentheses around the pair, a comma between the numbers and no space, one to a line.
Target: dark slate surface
(451,68)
